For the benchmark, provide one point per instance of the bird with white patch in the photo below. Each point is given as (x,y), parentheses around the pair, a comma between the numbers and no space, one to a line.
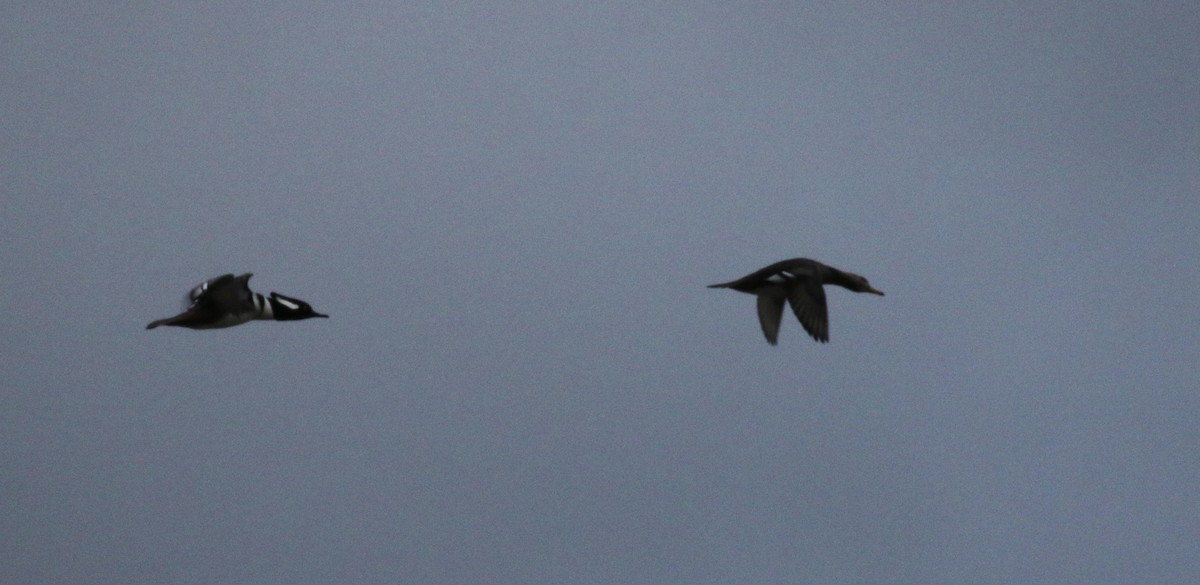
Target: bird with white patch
(227,300)
(800,282)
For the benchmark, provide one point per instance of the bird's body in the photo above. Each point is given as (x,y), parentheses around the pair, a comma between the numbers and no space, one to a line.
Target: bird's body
(227,300)
(800,282)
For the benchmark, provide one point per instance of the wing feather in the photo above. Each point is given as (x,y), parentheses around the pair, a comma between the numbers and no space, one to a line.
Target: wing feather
(808,303)
(770,314)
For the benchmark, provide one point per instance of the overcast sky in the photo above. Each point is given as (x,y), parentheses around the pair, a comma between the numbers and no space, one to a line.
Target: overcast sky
(511,210)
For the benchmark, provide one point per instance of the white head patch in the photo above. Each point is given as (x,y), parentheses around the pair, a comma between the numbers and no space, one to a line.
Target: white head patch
(287,303)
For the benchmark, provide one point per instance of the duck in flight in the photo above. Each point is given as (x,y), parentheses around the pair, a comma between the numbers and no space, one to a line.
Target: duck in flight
(227,300)
(800,282)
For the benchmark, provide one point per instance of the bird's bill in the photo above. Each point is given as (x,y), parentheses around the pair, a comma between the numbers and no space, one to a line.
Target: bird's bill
(874,292)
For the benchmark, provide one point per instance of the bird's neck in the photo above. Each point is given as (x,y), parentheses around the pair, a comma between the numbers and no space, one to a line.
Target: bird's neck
(264,308)
(841,279)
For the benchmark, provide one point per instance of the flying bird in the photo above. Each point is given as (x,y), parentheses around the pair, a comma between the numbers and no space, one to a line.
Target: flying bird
(800,281)
(227,300)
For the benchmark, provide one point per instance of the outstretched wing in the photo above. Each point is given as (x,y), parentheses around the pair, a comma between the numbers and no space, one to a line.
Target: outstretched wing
(808,303)
(226,291)
(770,313)
(201,289)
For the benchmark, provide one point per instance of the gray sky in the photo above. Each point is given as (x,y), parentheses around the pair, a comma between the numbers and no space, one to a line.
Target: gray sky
(510,211)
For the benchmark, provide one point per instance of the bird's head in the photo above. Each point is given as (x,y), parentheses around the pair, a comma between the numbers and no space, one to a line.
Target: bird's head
(286,308)
(858,283)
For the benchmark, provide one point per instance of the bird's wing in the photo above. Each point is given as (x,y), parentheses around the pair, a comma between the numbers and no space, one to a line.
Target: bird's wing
(226,291)
(200,290)
(808,303)
(770,314)
(796,268)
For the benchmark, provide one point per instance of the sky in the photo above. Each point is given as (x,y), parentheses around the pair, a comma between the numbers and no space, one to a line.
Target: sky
(510,210)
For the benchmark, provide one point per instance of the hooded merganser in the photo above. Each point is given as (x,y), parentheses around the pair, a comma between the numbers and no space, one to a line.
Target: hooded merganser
(800,281)
(227,300)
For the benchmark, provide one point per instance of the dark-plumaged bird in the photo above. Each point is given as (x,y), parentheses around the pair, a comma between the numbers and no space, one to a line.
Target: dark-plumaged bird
(227,300)
(801,282)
